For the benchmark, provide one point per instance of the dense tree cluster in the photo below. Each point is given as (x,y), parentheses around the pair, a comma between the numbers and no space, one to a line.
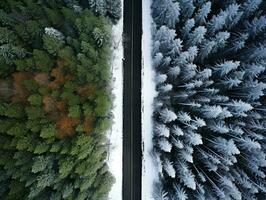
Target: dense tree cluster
(54,101)
(210,125)
(109,8)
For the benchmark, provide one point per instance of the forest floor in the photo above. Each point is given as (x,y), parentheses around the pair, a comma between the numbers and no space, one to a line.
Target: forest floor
(149,170)
(116,134)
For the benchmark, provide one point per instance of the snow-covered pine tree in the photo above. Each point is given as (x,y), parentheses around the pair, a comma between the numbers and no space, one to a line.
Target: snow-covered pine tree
(166,12)
(52,32)
(109,8)
(98,6)
(210,125)
(114,9)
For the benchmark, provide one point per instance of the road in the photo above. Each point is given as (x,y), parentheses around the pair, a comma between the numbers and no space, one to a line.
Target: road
(132,151)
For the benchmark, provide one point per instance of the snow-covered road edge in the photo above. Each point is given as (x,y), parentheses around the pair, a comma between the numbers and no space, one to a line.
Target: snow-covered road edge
(115,136)
(149,169)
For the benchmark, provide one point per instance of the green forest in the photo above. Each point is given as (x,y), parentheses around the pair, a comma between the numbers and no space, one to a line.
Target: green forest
(55,98)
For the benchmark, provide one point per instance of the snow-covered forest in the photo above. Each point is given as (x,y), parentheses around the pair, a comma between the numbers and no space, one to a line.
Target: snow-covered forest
(209,116)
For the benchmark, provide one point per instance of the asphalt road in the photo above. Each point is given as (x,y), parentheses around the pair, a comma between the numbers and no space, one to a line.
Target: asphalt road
(132,152)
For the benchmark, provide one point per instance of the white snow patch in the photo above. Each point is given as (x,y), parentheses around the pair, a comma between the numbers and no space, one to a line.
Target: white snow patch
(116,134)
(149,169)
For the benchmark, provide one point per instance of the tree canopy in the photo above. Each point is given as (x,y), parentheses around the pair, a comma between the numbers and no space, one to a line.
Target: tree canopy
(209,130)
(55,99)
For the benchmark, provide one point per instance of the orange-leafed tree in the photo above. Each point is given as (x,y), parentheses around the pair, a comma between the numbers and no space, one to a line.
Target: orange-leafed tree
(88,125)
(66,126)
(42,78)
(58,75)
(86,90)
(21,93)
(49,104)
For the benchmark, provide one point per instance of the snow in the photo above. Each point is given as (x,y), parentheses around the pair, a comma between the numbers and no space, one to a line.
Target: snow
(116,134)
(149,169)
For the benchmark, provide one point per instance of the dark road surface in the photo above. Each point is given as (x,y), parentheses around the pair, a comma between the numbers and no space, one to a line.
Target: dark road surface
(132,152)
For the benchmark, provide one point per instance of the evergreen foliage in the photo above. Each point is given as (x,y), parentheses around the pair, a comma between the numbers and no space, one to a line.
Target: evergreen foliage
(209,132)
(54,100)
(109,8)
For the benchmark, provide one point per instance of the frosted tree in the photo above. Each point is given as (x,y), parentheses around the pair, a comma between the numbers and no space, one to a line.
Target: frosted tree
(203,13)
(99,36)
(9,52)
(209,130)
(250,6)
(174,71)
(114,9)
(186,176)
(99,6)
(109,8)
(206,49)
(187,27)
(168,44)
(224,68)
(196,36)
(167,115)
(211,112)
(238,42)
(161,130)
(159,193)
(239,108)
(160,78)
(180,193)
(169,169)
(166,88)
(233,15)
(177,131)
(52,32)
(217,22)
(253,70)
(187,8)
(166,12)
(164,145)
(256,26)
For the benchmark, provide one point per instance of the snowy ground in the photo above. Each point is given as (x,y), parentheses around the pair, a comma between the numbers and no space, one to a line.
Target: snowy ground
(116,134)
(149,171)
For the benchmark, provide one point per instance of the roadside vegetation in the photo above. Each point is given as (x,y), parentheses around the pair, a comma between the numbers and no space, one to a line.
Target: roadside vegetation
(209,132)
(55,99)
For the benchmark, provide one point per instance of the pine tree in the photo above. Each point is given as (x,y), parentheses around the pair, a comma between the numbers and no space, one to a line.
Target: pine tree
(203,13)
(161,130)
(167,115)
(169,169)
(55,101)
(209,125)
(99,6)
(166,12)
(114,9)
